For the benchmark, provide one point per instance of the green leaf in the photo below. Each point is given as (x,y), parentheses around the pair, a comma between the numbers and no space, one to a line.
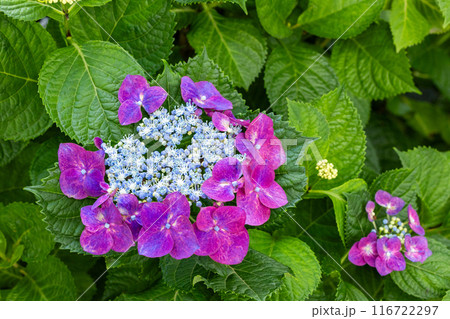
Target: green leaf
(28,10)
(2,244)
(62,214)
(273,15)
(45,158)
(46,280)
(447,296)
(9,150)
(202,68)
(241,3)
(143,28)
(179,274)
(22,115)
(369,66)
(296,72)
(339,19)
(356,224)
(22,224)
(256,277)
(13,177)
(334,120)
(431,169)
(236,45)
(348,292)
(295,254)
(408,25)
(428,280)
(161,292)
(78,69)
(444,5)
(399,182)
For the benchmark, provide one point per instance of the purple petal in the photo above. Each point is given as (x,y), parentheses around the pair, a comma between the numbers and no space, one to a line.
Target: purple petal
(273,152)
(132,87)
(93,219)
(97,243)
(396,262)
(207,240)
(129,112)
(178,205)
(135,228)
(111,212)
(382,198)
(393,244)
(122,237)
(233,248)
(395,206)
(221,121)
(204,219)
(207,89)
(92,182)
(70,156)
(416,248)
(98,143)
(245,146)
(229,218)
(154,97)
(382,267)
(154,243)
(220,191)
(227,169)
(218,103)
(370,207)
(127,204)
(71,183)
(260,128)
(414,221)
(154,216)
(185,241)
(368,248)
(256,213)
(188,89)
(355,256)
(263,176)
(102,199)
(273,196)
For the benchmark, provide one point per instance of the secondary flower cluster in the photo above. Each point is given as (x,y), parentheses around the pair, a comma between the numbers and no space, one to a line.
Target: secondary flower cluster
(176,158)
(384,250)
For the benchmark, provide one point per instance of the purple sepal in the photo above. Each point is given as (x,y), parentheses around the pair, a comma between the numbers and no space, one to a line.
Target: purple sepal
(364,251)
(222,234)
(108,193)
(204,95)
(81,171)
(221,121)
(389,256)
(370,207)
(129,207)
(392,204)
(417,248)
(105,230)
(256,213)
(166,228)
(414,221)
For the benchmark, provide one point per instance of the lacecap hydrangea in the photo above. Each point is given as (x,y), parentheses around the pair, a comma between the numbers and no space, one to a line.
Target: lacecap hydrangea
(147,184)
(387,245)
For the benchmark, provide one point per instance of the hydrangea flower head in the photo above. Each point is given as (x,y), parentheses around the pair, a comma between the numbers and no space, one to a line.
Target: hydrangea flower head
(81,171)
(364,251)
(414,221)
(261,194)
(389,256)
(167,229)
(105,230)
(204,95)
(417,248)
(130,208)
(392,204)
(221,234)
(370,207)
(134,93)
(260,144)
(225,180)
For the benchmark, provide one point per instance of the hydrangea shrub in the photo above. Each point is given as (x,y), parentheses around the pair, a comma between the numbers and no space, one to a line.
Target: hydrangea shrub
(226,150)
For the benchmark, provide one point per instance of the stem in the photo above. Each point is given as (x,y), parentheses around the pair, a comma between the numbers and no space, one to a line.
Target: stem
(344,257)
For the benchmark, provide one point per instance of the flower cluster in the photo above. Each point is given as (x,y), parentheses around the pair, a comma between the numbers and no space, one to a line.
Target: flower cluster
(56,1)
(177,158)
(326,169)
(385,250)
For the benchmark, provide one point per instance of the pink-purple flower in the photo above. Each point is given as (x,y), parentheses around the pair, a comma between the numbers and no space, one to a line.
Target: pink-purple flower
(223,120)
(166,228)
(260,144)
(221,234)
(204,95)
(414,221)
(416,248)
(81,171)
(225,180)
(392,204)
(260,195)
(105,230)
(134,93)
(364,251)
(389,257)
(370,207)
(130,208)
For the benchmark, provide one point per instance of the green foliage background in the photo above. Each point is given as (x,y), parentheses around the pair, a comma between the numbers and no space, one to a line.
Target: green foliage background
(362,83)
